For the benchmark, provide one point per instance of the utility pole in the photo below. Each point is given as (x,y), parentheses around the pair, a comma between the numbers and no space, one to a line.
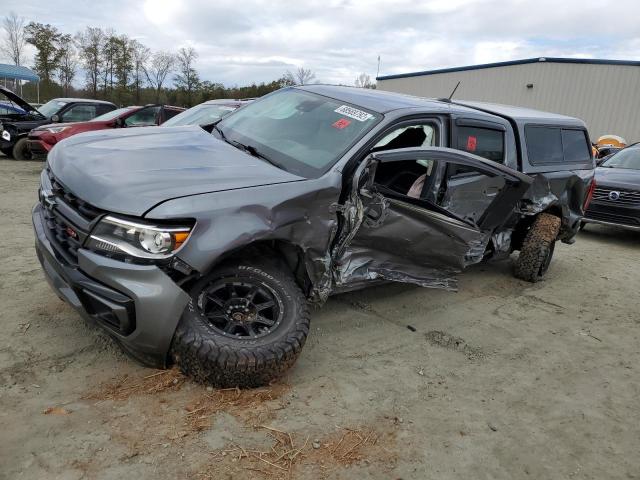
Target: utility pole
(378,70)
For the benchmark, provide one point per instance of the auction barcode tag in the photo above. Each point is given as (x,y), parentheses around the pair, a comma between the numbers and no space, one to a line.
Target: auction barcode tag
(353,113)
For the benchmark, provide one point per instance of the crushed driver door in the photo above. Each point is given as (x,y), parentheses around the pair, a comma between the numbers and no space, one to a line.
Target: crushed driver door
(432,231)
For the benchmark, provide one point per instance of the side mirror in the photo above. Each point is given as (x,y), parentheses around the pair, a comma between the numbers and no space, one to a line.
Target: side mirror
(55,118)
(118,123)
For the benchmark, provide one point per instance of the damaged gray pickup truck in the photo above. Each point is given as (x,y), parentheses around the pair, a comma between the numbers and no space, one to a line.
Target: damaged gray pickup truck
(205,250)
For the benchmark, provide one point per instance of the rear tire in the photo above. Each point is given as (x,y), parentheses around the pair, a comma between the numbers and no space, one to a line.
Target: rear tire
(537,248)
(221,339)
(21,150)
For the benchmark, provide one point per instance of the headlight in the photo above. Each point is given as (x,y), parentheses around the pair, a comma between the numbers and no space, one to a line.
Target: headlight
(115,236)
(55,129)
(6,135)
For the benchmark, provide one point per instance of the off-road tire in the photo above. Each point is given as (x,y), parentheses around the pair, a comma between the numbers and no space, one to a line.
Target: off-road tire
(205,354)
(8,152)
(21,150)
(537,248)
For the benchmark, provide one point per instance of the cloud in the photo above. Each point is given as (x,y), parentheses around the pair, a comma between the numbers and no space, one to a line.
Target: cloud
(257,40)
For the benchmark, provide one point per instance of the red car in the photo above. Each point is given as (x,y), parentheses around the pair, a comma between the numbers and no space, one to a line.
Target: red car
(42,139)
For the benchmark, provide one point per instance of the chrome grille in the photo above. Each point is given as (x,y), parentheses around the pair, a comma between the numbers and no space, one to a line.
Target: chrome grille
(624,196)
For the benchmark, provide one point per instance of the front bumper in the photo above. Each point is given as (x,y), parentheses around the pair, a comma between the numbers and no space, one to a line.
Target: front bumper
(138,305)
(38,147)
(4,145)
(605,213)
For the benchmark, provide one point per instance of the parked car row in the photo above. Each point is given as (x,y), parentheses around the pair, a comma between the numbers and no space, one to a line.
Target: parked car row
(28,132)
(203,247)
(616,198)
(42,139)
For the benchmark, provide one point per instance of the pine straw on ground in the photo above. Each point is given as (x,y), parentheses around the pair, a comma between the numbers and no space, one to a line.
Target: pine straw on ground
(252,405)
(125,387)
(291,453)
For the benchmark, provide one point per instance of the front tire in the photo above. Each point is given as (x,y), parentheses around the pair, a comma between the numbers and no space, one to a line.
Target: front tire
(21,150)
(537,248)
(244,327)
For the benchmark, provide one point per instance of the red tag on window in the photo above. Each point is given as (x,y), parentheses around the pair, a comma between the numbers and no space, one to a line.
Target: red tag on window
(342,123)
(472,143)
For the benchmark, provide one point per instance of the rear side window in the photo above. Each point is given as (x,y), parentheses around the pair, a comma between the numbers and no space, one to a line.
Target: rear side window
(575,146)
(171,112)
(553,145)
(484,142)
(79,113)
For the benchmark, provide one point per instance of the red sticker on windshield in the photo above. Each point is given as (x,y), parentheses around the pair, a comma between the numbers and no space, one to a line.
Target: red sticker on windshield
(342,123)
(472,143)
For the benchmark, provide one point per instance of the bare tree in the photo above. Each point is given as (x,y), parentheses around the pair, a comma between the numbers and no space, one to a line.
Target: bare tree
(68,63)
(187,78)
(364,81)
(140,56)
(90,43)
(14,40)
(157,69)
(301,76)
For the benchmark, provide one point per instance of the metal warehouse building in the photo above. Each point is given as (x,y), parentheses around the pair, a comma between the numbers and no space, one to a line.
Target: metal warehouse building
(603,93)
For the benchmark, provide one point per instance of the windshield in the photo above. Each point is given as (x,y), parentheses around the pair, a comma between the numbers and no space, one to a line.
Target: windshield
(202,115)
(112,114)
(300,132)
(51,107)
(627,158)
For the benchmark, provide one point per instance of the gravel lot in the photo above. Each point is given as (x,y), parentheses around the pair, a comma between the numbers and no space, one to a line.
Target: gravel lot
(502,380)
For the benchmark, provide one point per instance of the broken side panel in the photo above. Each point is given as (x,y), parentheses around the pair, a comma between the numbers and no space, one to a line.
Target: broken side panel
(392,232)
(399,241)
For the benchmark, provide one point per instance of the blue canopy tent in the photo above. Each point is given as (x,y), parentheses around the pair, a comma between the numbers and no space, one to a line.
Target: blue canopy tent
(18,72)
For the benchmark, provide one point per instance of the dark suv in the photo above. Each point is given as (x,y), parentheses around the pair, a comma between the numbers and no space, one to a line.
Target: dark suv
(14,128)
(205,249)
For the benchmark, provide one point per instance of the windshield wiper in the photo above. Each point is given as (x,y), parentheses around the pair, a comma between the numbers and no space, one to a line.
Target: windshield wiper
(251,150)
(219,130)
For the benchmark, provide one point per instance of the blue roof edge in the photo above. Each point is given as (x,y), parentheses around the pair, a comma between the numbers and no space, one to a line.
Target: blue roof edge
(18,72)
(587,61)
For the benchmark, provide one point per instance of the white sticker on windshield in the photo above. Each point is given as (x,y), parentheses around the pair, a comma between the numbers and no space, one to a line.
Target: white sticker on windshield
(353,113)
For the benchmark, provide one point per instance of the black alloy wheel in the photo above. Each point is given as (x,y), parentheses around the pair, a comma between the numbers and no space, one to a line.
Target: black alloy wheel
(240,309)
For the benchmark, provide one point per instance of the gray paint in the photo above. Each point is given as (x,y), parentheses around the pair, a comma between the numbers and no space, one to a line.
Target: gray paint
(237,200)
(159,302)
(130,171)
(606,96)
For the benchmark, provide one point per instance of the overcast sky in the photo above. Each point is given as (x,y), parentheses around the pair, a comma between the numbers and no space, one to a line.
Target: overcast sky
(240,42)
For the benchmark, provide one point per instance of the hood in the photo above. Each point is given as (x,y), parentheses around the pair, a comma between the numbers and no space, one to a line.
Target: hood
(55,125)
(618,177)
(131,171)
(18,100)
(72,127)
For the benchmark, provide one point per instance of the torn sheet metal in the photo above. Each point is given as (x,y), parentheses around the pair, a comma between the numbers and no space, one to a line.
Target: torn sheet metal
(539,197)
(428,248)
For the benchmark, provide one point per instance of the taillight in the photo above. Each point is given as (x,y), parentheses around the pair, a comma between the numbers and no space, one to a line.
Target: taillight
(589,196)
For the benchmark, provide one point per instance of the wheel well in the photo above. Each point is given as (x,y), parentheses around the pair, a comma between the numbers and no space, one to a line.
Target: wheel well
(525,223)
(291,255)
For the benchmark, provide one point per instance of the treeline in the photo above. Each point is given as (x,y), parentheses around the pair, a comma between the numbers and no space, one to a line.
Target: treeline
(121,69)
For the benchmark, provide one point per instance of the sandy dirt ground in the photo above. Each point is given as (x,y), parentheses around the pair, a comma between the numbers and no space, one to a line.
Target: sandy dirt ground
(502,380)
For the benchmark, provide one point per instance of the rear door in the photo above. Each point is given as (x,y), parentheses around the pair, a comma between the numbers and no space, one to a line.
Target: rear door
(428,233)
